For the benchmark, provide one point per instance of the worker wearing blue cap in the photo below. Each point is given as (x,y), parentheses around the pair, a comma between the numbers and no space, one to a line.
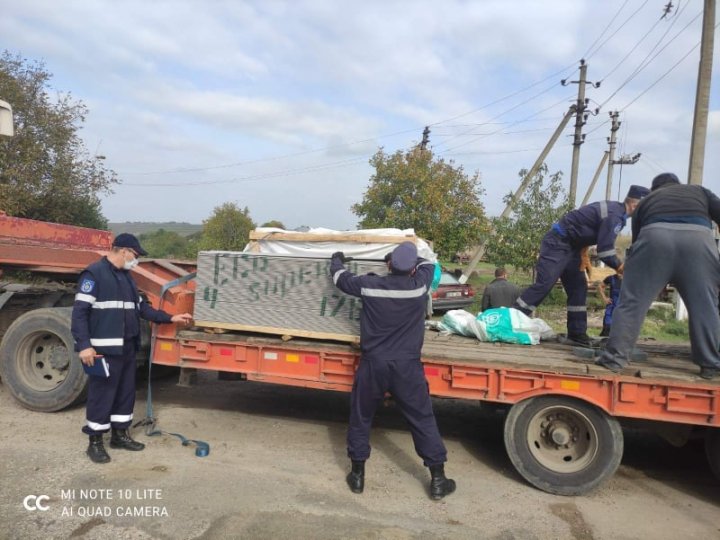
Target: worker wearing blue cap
(597,223)
(392,330)
(106,322)
(672,242)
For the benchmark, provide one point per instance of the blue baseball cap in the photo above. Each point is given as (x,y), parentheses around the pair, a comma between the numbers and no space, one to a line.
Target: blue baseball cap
(404,257)
(637,192)
(129,241)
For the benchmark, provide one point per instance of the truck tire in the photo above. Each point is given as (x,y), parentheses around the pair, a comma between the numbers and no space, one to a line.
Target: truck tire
(37,362)
(562,445)
(712,449)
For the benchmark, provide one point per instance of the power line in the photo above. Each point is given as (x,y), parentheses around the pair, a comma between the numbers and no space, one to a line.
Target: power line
(489,152)
(271,158)
(360,141)
(676,64)
(631,50)
(287,172)
(587,57)
(645,63)
(563,100)
(499,100)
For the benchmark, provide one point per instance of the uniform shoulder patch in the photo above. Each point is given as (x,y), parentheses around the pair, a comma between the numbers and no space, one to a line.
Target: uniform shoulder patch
(87,285)
(618,228)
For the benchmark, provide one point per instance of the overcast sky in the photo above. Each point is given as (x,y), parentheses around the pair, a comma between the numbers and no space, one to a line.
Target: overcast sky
(278,106)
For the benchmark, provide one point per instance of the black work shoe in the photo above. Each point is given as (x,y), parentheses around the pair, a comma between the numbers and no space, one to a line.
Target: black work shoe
(609,364)
(356,477)
(581,339)
(710,373)
(121,439)
(96,450)
(439,485)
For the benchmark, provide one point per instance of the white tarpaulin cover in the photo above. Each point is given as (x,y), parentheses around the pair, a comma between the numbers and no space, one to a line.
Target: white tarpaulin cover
(358,250)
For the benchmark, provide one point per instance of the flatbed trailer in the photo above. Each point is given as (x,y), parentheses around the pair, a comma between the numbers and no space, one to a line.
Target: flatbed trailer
(563,425)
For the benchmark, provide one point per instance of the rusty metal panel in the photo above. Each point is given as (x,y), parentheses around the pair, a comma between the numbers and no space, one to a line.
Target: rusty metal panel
(276,294)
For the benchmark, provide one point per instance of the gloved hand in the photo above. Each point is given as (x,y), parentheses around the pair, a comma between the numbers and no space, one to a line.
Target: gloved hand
(340,255)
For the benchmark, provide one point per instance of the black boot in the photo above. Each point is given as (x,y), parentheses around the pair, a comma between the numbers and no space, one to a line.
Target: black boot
(96,450)
(439,485)
(121,439)
(356,477)
(605,331)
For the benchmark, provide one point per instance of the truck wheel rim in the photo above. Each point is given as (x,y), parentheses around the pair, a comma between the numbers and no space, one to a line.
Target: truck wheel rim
(43,361)
(562,439)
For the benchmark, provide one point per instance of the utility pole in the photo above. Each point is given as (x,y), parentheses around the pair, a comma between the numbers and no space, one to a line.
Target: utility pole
(580,119)
(480,251)
(702,96)
(611,142)
(426,138)
(595,178)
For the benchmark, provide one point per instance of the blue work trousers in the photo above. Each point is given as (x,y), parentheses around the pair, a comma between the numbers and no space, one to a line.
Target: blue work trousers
(405,380)
(111,400)
(558,259)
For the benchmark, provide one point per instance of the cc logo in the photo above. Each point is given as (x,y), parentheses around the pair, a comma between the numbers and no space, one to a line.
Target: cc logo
(35,502)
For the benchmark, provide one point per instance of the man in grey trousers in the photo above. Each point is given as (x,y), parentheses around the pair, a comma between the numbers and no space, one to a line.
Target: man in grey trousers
(672,242)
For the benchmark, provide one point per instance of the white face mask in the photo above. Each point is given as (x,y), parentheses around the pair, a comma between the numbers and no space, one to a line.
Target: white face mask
(129,265)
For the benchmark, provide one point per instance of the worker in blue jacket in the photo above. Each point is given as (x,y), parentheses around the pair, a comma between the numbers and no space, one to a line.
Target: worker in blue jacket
(106,322)
(392,331)
(597,223)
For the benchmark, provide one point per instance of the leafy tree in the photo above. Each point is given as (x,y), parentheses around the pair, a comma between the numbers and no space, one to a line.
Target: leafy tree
(162,243)
(46,172)
(193,244)
(227,229)
(274,223)
(516,239)
(413,189)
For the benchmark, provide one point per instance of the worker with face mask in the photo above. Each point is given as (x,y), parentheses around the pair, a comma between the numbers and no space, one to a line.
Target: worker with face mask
(106,323)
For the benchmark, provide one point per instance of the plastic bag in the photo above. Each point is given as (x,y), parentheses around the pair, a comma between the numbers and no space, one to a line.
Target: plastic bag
(506,325)
(459,321)
(510,325)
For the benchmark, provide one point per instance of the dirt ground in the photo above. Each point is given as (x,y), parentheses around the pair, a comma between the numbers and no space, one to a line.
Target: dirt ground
(276,470)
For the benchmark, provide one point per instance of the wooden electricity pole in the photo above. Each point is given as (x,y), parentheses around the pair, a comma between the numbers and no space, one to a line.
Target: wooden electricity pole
(480,251)
(702,96)
(595,178)
(580,119)
(611,161)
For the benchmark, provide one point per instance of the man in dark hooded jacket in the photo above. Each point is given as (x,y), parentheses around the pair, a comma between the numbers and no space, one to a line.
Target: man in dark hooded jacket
(672,242)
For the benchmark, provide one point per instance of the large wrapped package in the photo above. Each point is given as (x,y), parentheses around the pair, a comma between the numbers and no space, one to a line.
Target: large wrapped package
(281,283)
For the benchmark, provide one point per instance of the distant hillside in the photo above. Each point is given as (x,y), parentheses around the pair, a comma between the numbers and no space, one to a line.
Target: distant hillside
(140,227)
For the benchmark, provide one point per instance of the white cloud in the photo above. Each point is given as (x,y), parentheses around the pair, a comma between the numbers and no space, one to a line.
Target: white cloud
(245,89)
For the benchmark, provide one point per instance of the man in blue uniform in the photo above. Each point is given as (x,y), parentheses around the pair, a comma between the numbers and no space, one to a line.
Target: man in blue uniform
(598,224)
(106,322)
(672,242)
(392,331)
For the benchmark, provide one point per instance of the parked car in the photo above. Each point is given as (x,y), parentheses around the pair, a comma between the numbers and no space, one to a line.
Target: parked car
(451,294)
